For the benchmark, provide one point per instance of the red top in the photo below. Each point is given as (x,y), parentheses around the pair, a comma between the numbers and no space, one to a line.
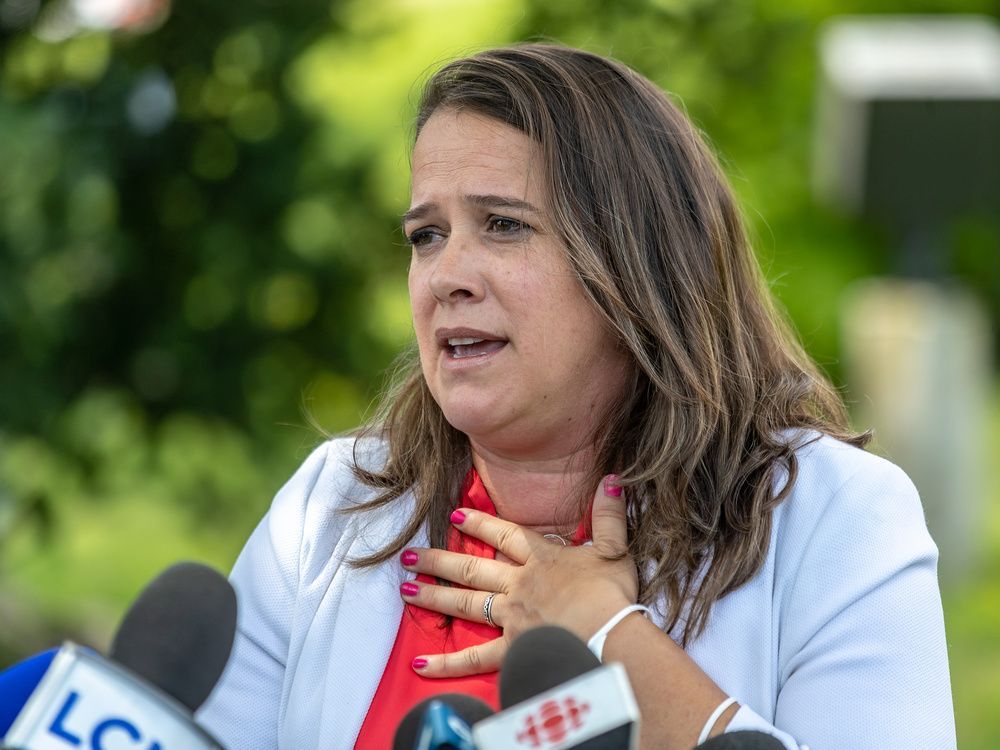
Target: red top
(422,631)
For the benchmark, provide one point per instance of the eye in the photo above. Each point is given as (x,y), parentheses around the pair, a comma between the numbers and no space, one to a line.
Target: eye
(423,236)
(506,225)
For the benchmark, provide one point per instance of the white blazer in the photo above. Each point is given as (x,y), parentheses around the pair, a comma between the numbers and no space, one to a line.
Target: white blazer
(838,642)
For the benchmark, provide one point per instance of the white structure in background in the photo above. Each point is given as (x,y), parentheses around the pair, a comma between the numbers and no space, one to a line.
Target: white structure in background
(917,360)
(62,19)
(908,135)
(119,14)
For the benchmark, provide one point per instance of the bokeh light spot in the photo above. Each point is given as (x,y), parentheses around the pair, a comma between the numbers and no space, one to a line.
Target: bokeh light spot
(215,156)
(255,116)
(85,58)
(332,402)
(76,272)
(239,57)
(92,206)
(309,227)
(287,301)
(218,95)
(390,319)
(152,102)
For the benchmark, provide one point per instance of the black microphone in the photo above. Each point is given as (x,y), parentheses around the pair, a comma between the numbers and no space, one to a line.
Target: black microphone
(440,723)
(541,659)
(554,691)
(742,740)
(169,652)
(179,633)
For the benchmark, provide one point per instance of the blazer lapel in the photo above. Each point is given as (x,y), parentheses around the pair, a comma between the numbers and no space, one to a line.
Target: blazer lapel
(366,622)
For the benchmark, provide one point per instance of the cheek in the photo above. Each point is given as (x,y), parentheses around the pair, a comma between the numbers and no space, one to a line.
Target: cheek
(577,337)
(419,302)
(422,329)
(570,319)
(421,312)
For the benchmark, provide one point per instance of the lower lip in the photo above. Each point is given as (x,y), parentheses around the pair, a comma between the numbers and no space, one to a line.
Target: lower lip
(464,363)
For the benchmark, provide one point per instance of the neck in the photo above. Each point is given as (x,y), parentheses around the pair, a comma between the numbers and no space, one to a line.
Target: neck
(542,494)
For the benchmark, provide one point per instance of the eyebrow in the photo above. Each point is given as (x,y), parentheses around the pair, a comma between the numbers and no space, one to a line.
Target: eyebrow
(483,201)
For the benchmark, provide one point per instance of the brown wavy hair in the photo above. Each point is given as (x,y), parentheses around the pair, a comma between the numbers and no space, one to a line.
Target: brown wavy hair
(720,389)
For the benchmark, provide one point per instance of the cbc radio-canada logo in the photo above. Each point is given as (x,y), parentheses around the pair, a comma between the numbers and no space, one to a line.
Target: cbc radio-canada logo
(554,721)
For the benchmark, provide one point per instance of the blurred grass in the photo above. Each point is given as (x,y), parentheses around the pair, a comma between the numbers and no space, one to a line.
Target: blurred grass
(147,495)
(111,553)
(972,619)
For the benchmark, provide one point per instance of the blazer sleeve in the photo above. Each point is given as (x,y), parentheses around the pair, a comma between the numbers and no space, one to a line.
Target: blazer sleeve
(862,656)
(244,709)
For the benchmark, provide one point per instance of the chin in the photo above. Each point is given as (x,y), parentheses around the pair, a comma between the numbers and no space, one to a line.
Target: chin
(471,421)
(473,409)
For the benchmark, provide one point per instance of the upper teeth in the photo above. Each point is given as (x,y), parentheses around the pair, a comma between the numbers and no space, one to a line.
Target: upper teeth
(463,342)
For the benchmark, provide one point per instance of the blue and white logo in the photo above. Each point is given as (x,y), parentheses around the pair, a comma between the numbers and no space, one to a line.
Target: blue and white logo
(85,702)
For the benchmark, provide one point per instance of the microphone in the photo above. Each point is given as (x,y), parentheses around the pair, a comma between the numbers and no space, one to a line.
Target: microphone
(555,694)
(440,723)
(541,659)
(742,740)
(17,683)
(167,656)
(178,634)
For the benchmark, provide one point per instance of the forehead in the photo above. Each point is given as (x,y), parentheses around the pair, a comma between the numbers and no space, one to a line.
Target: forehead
(470,153)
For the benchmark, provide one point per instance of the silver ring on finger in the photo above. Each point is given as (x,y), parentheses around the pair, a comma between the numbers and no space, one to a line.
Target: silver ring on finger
(488,609)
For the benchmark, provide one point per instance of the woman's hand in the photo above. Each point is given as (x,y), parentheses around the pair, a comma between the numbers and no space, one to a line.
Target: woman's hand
(545,584)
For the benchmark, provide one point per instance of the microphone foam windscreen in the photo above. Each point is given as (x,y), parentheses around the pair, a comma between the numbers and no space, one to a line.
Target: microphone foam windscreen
(469,708)
(541,659)
(743,740)
(179,632)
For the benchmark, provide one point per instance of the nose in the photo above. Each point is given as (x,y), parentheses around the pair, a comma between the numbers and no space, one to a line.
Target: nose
(457,274)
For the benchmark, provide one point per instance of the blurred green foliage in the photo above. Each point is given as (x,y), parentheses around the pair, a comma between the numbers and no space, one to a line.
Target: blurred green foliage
(200,257)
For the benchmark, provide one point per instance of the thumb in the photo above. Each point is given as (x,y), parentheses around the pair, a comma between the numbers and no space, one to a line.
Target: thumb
(608,517)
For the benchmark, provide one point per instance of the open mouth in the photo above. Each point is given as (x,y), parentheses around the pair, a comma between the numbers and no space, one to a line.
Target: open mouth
(462,348)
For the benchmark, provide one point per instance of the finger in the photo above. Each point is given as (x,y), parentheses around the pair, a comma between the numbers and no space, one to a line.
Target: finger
(480,659)
(505,536)
(608,517)
(467,604)
(475,572)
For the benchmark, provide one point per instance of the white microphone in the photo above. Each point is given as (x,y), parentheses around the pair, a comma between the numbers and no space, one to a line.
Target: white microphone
(88,702)
(167,656)
(556,696)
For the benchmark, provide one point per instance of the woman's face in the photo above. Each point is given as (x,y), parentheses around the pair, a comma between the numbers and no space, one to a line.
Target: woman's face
(512,351)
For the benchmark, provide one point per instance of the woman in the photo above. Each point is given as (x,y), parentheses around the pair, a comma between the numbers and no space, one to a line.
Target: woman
(598,359)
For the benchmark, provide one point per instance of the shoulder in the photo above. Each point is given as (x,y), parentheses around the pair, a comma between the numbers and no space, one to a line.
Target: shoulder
(856,606)
(839,485)
(852,524)
(327,479)
(309,515)
(830,462)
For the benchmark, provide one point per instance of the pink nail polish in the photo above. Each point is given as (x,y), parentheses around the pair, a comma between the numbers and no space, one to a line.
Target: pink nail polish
(419,663)
(409,557)
(611,486)
(457,517)
(409,589)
